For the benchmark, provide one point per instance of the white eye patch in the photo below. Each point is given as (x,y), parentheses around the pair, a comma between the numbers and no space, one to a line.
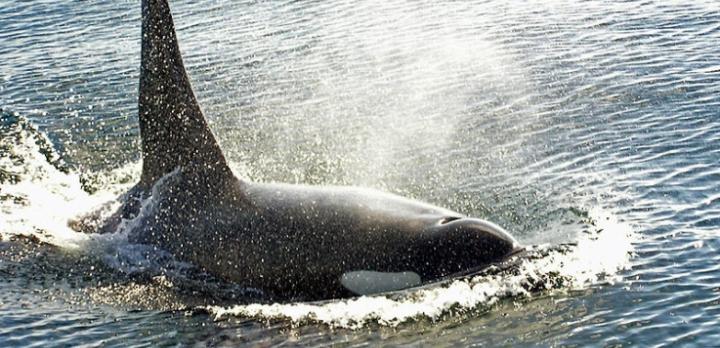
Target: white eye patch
(371,282)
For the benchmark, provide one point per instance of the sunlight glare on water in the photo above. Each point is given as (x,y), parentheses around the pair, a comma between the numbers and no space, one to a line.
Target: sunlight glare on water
(588,123)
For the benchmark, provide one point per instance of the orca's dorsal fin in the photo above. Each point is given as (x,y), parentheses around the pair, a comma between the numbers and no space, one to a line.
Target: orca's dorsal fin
(173,129)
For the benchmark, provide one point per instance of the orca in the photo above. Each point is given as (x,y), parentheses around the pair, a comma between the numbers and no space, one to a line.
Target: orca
(293,242)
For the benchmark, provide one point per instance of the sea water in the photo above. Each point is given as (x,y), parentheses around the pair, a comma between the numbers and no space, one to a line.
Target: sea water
(594,125)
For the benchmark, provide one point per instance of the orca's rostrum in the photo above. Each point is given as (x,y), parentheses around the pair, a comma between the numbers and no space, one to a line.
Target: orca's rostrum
(291,241)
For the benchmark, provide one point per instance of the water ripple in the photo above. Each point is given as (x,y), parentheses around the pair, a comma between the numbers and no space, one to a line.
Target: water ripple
(511,110)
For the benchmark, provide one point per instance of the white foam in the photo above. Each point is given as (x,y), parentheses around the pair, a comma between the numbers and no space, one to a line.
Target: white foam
(45,199)
(48,198)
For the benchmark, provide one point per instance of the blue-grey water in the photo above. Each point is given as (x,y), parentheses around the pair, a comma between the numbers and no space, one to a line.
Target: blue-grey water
(547,117)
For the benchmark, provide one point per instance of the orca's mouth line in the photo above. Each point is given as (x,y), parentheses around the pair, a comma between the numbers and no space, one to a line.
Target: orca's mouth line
(516,251)
(510,261)
(511,258)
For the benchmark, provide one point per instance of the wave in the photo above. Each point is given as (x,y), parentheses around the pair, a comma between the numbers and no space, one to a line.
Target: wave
(40,195)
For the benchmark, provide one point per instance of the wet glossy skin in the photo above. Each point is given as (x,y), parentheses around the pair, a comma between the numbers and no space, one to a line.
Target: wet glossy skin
(290,241)
(297,241)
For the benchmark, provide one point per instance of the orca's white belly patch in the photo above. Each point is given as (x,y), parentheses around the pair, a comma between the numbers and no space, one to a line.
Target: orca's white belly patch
(371,282)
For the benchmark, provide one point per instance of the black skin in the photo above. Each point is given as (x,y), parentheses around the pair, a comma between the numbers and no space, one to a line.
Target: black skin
(293,242)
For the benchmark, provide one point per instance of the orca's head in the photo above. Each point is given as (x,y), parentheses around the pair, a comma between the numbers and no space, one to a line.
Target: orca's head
(454,245)
(448,246)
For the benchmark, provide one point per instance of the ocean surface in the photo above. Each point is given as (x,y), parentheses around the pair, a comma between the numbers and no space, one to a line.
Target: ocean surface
(589,124)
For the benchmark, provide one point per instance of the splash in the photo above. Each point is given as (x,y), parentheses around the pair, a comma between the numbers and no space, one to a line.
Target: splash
(39,195)
(600,253)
